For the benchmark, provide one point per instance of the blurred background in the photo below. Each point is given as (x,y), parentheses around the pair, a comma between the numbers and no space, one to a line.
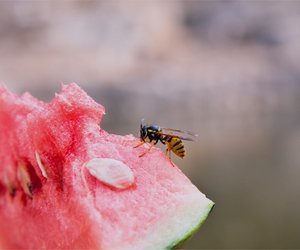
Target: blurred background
(228,70)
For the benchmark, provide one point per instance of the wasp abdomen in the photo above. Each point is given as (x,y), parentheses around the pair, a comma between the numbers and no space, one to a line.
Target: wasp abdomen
(176,145)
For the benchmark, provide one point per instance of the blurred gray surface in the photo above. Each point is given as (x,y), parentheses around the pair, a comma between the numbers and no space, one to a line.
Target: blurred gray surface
(228,70)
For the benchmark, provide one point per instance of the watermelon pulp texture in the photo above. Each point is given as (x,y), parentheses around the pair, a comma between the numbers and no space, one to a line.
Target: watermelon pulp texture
(49,199)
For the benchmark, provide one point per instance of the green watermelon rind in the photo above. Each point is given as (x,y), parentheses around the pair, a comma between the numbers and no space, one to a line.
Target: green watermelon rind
(180,241)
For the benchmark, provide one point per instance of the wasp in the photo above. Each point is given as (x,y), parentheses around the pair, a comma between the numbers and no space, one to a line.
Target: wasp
(153,134)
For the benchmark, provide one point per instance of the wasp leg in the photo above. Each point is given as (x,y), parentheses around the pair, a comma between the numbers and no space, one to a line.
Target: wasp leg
(152,144)
(163,140)
(140,144)
(168,153)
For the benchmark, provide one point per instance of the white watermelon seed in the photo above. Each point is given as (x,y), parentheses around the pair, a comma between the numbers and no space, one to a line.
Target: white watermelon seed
(24,179)
(40,164)
(111,172)
(9,184)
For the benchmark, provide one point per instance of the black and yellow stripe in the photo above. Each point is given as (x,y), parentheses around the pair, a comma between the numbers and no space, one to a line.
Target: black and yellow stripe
(176,146)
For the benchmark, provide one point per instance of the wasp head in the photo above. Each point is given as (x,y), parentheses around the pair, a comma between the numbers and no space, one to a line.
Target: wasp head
(143,130)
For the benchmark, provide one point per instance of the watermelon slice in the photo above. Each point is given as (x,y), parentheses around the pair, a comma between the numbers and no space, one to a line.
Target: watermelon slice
(66,183)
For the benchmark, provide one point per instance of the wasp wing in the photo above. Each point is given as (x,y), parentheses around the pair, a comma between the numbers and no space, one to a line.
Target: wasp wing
(180,131)
(175,136)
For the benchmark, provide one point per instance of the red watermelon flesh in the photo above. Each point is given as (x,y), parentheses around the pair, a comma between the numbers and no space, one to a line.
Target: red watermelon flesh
(51,199)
